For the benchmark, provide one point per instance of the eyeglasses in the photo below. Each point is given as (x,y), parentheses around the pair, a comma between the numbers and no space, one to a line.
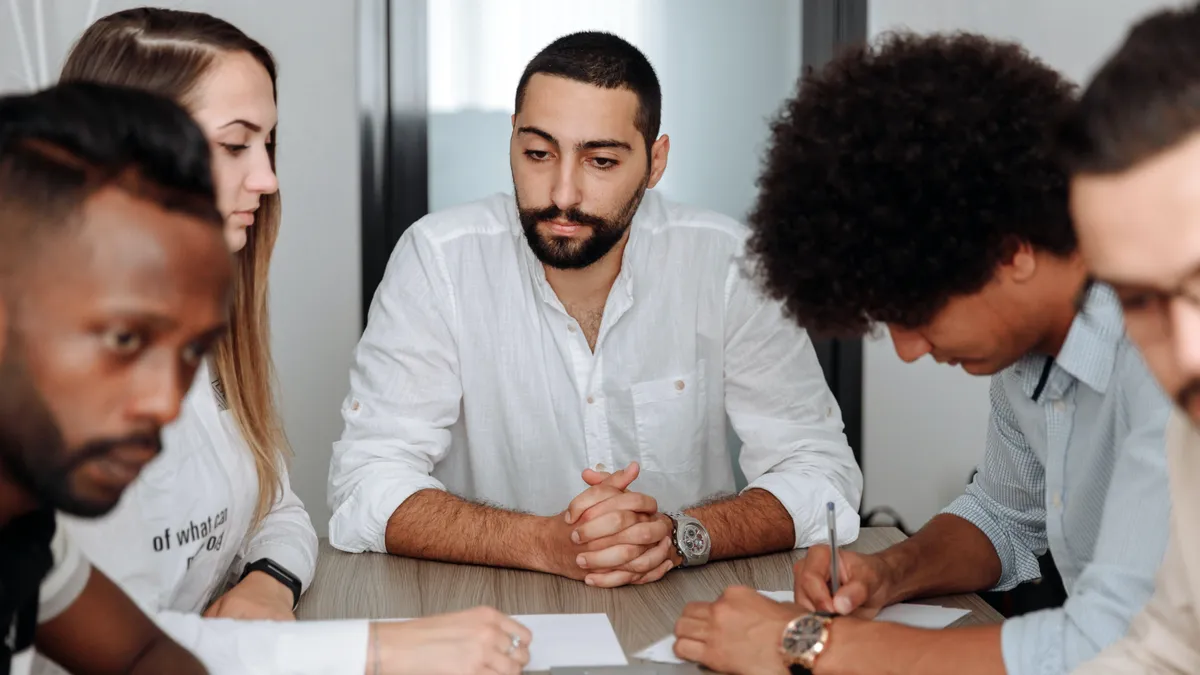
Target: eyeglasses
(1148,312)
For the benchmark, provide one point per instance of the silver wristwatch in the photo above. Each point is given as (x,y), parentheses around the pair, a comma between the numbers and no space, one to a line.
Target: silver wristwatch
(691,539)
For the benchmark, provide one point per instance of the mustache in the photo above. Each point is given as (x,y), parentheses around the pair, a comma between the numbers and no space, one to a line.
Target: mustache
(1190,391)
(572,214)
(96,449)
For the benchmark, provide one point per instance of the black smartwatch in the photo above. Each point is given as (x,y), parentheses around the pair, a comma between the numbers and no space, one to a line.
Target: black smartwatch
(278,573)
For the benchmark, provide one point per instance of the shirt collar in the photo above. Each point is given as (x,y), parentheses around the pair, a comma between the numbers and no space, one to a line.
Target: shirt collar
(1090,350)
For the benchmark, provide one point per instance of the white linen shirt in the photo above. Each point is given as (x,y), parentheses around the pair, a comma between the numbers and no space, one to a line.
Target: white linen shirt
(472,377)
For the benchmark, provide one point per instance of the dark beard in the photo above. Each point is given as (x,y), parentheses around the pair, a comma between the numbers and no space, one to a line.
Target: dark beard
(33,452)
(565,253)
(1189,391)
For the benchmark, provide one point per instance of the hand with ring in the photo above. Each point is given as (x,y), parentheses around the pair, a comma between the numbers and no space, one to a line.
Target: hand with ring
(480,641)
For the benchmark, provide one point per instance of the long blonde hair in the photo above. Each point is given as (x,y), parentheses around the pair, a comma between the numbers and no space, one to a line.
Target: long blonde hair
(168,52)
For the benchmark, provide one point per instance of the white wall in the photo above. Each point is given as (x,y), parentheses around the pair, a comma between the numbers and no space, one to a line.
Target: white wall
(724,72)
(924,424)
(315,276)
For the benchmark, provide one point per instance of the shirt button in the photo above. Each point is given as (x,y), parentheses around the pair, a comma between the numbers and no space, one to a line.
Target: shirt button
(571,328)
(601,467)
(591,400)
(355,406)
(1059,406)
(679,385)
(1057,500)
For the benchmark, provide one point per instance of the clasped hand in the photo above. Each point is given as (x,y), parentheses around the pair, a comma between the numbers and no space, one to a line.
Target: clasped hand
(611,536)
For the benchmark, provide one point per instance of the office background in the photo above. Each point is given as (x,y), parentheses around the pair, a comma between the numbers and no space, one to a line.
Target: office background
(725,66)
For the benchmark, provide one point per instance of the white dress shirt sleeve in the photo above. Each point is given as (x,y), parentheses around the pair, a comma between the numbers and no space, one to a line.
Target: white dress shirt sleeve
(790,424)
(286,535)
(404,396)
(232,647)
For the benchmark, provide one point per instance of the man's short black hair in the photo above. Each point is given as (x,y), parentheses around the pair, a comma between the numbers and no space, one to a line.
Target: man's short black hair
(60,145)
(902,174)
(606,61)
(1144,100)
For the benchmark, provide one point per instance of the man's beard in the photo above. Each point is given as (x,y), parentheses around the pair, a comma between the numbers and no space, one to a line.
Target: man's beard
(1187,396)
(33,452)
(567,253)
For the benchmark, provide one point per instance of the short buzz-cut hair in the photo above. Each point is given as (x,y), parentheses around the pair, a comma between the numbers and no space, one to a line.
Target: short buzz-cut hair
(1143,100)
(61,145)
(606,61)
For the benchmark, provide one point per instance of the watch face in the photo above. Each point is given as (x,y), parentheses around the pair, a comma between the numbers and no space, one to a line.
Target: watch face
(694,540)
(802,634)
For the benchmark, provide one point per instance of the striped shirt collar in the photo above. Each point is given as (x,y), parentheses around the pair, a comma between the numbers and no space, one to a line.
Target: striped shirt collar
(1090,350)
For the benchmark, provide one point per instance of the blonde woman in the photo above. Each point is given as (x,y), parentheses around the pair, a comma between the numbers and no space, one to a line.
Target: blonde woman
(213,527)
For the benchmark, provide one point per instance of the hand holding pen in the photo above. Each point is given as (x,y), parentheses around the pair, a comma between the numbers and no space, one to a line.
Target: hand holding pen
(848,583)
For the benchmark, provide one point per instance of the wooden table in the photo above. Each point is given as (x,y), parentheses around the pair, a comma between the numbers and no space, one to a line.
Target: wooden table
(377,586)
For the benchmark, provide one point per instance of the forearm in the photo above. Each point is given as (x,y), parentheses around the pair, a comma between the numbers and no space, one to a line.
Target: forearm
(892,649)
(949,555)
(436,525)
(750,524)
(164,655)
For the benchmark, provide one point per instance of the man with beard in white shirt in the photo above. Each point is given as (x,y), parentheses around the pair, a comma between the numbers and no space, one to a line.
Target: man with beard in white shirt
(522,349)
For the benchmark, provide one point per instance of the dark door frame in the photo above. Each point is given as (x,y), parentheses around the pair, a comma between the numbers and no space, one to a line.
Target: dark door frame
(394,117)
(394,129)
(828,26)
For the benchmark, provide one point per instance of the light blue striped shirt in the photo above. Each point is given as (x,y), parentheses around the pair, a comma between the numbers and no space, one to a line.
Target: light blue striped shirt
(1081,471)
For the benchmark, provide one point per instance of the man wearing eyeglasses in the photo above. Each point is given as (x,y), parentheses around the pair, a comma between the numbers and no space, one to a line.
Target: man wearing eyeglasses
(1134,149)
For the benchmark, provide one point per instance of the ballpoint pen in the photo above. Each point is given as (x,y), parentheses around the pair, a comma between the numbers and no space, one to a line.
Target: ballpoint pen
(833,558)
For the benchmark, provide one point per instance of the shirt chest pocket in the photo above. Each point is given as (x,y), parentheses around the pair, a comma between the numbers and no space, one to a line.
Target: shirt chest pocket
(669,421)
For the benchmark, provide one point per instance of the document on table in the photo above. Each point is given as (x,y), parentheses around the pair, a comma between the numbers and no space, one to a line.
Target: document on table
(561,640)
(919,616)
(566,640)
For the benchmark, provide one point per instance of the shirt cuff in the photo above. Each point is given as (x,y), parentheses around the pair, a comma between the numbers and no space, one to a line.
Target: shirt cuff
(324,648)
(805,498)
(1033,644)
(360,522)
(1012,574)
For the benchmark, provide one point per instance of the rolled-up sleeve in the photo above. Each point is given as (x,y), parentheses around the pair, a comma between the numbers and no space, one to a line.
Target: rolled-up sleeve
(1007,498)
(790,425)
(404,396)
(1119,580)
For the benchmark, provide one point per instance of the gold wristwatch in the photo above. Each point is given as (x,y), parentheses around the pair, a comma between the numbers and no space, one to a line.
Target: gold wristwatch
(804,638)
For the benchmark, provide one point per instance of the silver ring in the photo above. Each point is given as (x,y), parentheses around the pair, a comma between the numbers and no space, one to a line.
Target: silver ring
(516,644)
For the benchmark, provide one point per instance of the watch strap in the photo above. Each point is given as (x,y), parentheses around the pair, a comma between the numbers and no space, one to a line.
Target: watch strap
(678,519)
(674,516)
(277,572)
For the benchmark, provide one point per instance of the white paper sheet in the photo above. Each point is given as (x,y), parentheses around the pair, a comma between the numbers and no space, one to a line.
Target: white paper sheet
(561,640)
(919,616)
(565,640)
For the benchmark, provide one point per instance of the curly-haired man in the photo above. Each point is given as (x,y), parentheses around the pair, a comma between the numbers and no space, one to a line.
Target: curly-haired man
(914,184)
